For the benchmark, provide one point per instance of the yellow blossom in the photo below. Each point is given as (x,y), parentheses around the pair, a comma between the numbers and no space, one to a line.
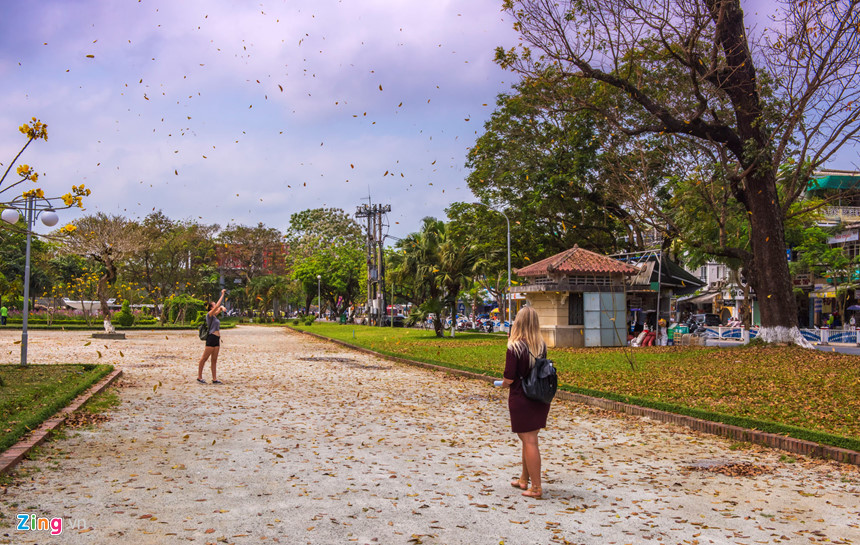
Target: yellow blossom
(35,130)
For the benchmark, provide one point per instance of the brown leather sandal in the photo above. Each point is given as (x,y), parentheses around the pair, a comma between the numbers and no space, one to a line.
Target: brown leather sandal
(518,483)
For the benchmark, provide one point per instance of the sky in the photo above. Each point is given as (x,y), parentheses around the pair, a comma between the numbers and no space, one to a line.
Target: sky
(239,112)
(244,112)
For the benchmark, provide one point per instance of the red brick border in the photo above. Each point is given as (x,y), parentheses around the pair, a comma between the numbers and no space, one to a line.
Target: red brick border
(14,454)
(773,440)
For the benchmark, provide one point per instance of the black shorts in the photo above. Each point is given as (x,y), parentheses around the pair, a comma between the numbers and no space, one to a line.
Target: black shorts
(213,340)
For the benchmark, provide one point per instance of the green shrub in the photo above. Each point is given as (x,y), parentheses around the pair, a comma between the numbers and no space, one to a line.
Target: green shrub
(124,317)
(183,307)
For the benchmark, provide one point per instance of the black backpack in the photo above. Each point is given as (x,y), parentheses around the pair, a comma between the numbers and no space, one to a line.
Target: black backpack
(542,381)
(203,330)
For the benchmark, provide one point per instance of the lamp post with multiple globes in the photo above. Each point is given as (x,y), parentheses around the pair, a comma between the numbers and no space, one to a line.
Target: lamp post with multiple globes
(32,207)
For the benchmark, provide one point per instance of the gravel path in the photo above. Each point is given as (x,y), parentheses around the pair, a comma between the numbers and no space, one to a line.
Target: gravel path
(310,443)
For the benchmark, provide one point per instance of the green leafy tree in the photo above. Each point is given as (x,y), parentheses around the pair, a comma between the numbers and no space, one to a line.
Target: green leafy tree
(13,246)
(434,263)
(329,243)
(536,160)
(270,292)
(173,257)
(342,272)
(247,252)
(817,256)
(486,230)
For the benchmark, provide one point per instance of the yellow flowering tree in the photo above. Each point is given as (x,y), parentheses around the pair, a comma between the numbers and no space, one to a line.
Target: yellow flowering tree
(83,288)
(35,130)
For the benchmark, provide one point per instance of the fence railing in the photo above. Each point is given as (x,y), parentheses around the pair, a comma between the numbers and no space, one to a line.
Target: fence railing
(820,336)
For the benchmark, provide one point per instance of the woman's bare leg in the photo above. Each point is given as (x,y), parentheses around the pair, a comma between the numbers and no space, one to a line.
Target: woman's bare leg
(215,351)
(531,461)
(206,353)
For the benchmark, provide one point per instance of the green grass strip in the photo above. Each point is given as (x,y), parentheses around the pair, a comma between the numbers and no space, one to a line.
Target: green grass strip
(787,391)
(34,393)
(712,416)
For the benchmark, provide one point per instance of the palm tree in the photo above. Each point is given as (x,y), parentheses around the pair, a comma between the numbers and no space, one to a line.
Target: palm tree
(456,261)
(432,265)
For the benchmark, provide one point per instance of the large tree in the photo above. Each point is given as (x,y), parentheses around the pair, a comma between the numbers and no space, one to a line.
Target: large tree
(248,252)
(108,241)
(328,243)
(172,258)
(538,164)
(670,69)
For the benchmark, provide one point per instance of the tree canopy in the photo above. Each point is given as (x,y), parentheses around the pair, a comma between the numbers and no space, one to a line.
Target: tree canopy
(666,70)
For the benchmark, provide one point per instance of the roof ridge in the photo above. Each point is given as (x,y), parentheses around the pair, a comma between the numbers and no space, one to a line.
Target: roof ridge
(560,258)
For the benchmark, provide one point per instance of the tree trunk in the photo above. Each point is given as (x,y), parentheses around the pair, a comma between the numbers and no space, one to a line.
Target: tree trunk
(770,277)
(102,295)
(437,325)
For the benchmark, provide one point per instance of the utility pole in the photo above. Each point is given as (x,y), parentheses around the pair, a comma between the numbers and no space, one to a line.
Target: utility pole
(375,258)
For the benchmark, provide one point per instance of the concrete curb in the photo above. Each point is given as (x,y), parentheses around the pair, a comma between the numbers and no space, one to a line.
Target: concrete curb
(12,456)
(773,440)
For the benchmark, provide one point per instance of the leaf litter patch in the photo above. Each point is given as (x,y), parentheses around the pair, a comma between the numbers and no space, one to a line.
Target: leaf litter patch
(350,362)
(730,468)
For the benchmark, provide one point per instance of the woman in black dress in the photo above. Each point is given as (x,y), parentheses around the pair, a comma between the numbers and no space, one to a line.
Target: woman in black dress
(527,416)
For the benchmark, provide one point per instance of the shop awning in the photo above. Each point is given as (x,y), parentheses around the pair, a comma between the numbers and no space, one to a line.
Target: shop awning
(672,277)
(823,293)
(700,299)
(839,182)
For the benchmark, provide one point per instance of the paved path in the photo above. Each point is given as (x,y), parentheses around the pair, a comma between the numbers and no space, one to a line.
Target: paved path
(310,443)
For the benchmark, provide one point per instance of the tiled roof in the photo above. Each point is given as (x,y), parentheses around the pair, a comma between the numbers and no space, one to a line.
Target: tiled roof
(577,261)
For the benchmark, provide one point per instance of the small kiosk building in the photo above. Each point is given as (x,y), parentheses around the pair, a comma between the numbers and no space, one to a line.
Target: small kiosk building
(579,297)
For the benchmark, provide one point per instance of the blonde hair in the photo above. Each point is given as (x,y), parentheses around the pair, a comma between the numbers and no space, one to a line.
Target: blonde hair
(525,334)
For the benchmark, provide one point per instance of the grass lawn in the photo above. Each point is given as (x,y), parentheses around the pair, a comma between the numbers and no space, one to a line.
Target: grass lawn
(32,394)
(803,393)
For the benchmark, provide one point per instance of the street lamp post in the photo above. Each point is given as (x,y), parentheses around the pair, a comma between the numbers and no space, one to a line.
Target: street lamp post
(32,210)
(319,299)
(508,223)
